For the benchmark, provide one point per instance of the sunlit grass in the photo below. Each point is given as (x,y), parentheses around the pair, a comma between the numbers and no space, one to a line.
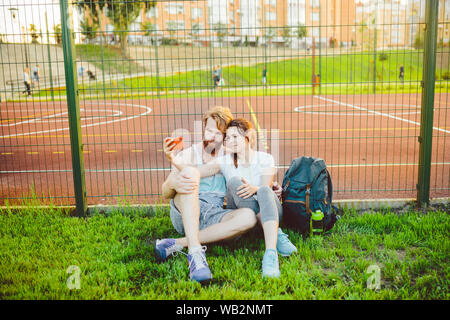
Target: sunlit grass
(114,252)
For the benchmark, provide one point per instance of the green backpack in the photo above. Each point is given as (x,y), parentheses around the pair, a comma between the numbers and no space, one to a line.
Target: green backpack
(307,187)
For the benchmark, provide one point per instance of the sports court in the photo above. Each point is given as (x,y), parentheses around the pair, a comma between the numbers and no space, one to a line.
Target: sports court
(369,142)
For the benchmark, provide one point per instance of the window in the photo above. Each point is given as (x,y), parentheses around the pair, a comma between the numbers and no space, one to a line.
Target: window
(315,32)
(175,8)
(175,25)
(272,2)
(197,13)
(271,16)
(315,16)
(152,13)
(315,3)
(198,28)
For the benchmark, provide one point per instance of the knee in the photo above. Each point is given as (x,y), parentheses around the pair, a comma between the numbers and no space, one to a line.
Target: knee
(191,173)
(234,183)
(264,190)
(247,219)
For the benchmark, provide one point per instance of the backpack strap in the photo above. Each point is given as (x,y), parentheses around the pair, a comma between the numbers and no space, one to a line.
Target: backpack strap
(330,187)
(308,192)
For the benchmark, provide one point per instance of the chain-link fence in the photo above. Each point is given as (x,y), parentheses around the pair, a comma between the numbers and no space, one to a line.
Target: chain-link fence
(89,89)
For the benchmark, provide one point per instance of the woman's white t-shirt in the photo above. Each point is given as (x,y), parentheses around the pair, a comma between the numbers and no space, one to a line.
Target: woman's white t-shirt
(261,163)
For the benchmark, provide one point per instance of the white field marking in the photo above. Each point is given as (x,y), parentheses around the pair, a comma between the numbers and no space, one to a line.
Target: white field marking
(361,114)
(115,113)
(377,113)
(278,167)
(112,113)
(148,110)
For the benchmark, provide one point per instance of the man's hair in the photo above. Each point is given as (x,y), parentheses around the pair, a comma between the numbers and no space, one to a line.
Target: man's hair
(221,115)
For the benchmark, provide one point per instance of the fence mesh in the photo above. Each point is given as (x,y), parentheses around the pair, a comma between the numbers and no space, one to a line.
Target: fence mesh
(343,82)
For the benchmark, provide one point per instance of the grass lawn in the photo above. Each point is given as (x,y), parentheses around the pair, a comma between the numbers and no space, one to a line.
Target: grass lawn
(106,58)
(114,254)
(350,73)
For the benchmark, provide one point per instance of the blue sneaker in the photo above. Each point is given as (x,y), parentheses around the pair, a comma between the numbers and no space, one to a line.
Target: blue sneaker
(198,267)
(284,246)
(270,266)
(165,248)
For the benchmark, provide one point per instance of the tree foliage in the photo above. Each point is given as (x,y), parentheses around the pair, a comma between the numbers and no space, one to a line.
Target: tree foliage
(120,13)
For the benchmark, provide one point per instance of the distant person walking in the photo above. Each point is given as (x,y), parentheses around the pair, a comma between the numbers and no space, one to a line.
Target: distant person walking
(219,72)
(264,76)
(81,71)
(27,82)
(216,77)
(35,77)
(401,76)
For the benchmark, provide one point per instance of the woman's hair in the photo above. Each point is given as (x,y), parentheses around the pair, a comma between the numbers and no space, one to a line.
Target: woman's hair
(221,115)
(245,128)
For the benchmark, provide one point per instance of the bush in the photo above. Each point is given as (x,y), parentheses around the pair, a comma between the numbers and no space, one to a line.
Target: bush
(382,56)
(445,75)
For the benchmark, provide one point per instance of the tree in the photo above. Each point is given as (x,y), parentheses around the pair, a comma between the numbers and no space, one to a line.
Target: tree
(270,33)
(301,32)
(382,57)
(286,35)
(149,29)
(58,33)
(195,31)
(221,31)
(419,39)
(89,29)
(34,33)
(121,13)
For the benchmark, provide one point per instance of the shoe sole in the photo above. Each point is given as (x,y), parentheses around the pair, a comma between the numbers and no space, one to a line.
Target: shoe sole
(158,257)
(203,282)
(286,255)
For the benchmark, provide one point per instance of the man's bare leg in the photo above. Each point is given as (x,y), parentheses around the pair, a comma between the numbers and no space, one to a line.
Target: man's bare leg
(188,206)
(233,224)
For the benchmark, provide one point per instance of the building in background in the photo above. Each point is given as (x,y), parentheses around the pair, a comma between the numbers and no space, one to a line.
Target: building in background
(331,23)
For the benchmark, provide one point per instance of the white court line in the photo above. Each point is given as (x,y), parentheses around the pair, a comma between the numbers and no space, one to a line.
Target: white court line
(86,125)
(278,167)
(377,113)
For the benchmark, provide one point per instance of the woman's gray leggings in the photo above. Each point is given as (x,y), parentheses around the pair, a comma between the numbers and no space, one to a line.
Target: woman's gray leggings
(267,201)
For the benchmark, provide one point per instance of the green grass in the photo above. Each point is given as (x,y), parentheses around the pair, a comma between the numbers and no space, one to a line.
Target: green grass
(106,58)
(341,74)
(115,256)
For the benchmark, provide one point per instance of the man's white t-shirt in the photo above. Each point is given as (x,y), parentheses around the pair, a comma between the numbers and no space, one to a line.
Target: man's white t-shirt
(261,163)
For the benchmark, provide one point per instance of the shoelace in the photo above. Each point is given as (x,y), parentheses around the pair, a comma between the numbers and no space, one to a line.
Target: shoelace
(283,236)
(198,259)
(270,261)
(174,251)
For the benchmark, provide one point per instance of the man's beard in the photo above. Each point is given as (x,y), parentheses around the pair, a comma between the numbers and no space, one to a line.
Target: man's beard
(211,147)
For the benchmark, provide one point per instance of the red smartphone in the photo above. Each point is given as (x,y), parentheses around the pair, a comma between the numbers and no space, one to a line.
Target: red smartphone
(177,143)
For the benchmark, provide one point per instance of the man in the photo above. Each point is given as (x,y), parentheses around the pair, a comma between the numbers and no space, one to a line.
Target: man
(36,74)
(196,205)
(264,76)
(402,73)
(27,82)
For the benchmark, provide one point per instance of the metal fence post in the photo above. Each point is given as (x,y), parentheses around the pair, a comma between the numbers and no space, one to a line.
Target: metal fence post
(427,109)
(73,107)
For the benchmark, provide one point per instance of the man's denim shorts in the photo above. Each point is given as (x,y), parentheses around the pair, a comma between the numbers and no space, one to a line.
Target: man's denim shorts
(211,211)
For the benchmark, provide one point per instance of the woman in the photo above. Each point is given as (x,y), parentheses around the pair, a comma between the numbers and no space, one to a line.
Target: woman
(249,175)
